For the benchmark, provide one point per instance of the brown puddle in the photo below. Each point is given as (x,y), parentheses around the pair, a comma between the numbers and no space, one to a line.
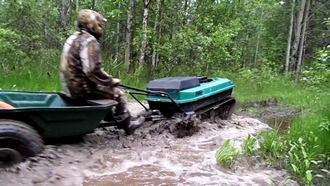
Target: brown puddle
(279,123)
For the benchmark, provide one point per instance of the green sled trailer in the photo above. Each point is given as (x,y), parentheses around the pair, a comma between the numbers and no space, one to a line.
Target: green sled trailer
(38,116)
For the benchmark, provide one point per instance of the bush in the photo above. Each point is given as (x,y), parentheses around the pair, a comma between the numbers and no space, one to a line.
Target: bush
(318,73)
(12,55)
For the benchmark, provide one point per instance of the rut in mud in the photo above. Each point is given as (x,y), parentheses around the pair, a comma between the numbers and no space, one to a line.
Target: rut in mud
(164,153)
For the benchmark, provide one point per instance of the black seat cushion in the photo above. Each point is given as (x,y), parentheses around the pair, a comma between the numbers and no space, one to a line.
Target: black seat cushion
(173,84)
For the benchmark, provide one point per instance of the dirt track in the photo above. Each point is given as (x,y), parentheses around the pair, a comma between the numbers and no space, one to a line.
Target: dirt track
(157,154)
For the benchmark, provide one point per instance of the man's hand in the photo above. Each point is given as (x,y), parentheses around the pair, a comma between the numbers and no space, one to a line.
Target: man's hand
(118,92)
(115,82)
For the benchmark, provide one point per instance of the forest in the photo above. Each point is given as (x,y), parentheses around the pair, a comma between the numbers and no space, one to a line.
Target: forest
(270,49)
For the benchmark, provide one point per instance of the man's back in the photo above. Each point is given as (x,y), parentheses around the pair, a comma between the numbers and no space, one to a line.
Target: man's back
(73,76)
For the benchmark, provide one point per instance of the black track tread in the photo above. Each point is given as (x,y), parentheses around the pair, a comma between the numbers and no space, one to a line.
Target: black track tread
(168,112)
(29,137)
(219,112)
(228,113)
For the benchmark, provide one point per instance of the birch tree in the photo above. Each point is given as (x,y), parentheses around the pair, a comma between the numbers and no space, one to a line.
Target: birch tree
(144,32)
(155,43)
(129,34)
(117,36)
(258,39)
(287,60)
(297,34)
(186,5)
(65,11)
(302,41)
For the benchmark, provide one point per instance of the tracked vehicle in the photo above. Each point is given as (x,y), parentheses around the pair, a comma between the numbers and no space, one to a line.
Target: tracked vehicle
(28,118)
(187,96)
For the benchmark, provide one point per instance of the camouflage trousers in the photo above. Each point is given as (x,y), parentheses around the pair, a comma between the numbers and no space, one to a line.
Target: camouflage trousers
(79,89)
(113,93)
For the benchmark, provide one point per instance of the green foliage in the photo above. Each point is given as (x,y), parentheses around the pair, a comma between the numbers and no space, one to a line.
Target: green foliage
(255,85)
(300,159)
(323,56)
(318,73)
(11,54)
(273,146)
(207,35)
(226,154)
(250,145)
(303,149)
(314,129)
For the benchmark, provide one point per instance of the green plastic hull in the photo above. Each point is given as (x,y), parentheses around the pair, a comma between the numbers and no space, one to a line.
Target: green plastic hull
(203,91)
(52,115)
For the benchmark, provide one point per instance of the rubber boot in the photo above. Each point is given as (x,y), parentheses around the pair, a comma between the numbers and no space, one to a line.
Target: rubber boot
(133,125)
(125,123)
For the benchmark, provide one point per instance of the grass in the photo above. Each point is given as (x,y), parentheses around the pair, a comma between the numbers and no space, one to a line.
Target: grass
(226,154)
(34,79)
(303,149)
(250,145)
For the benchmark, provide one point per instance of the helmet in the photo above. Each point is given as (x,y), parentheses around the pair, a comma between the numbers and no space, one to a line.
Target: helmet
(91,22)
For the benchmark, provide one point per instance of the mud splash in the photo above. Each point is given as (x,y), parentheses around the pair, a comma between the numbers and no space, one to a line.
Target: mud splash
(160,153)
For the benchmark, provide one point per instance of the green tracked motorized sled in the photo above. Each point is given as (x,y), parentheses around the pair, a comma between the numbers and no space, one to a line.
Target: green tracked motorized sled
(196,95)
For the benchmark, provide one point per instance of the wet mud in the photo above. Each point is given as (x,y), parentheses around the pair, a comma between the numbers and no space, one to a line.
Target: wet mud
(271,112)
(172,152)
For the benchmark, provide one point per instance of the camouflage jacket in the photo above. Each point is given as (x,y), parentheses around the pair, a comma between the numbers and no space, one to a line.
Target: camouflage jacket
(80,69)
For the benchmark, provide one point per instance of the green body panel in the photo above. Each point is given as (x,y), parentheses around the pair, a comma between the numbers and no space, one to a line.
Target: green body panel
(52,115)
(193,94)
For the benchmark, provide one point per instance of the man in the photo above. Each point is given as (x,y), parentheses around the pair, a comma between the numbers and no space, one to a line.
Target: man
(81,73)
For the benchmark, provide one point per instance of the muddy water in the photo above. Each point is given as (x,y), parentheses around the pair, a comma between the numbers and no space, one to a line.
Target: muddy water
(279,123)
(189,161)
(154,155)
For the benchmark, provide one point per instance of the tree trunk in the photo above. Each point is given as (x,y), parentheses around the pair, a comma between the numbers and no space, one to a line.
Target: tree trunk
(93,4)
(144,33)
(245,55)
(64,13)
(289,40)
(117,38)
(129,35)
(302,41)
(297,34)
(77,6)
(186,11)
(185,5)
(258,41)
(257,50)
(159,38)
(175,16)
(155,36)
